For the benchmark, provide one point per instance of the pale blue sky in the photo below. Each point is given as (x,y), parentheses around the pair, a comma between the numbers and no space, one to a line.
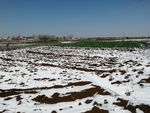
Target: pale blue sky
(83,18)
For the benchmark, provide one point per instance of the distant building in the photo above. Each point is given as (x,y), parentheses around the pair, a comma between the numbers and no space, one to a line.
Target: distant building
(29,39)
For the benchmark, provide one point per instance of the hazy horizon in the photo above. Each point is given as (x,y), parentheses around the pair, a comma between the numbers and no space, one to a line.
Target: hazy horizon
(80,18)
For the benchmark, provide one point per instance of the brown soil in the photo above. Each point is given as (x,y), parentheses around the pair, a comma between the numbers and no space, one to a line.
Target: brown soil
(147,80)
(105,71)
(126,105)
(88,101)
(52,54)
(62,66)
(71,96)
(8,98)
(53,112)
(18,98)
(6,59)
(120,82)
(122,72)
(45,64)
(131,62)
(9,92)
(3,111)
(148,65)
(97,104)
(6,93)
(78,68)
(104,75)
(140,72)
(97,110)
(43,79)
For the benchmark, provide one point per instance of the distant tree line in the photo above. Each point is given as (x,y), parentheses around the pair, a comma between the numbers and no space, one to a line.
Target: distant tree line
(46,38)
(35,39)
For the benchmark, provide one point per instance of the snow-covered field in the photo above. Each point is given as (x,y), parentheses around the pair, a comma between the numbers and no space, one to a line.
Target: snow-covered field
(75,80)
